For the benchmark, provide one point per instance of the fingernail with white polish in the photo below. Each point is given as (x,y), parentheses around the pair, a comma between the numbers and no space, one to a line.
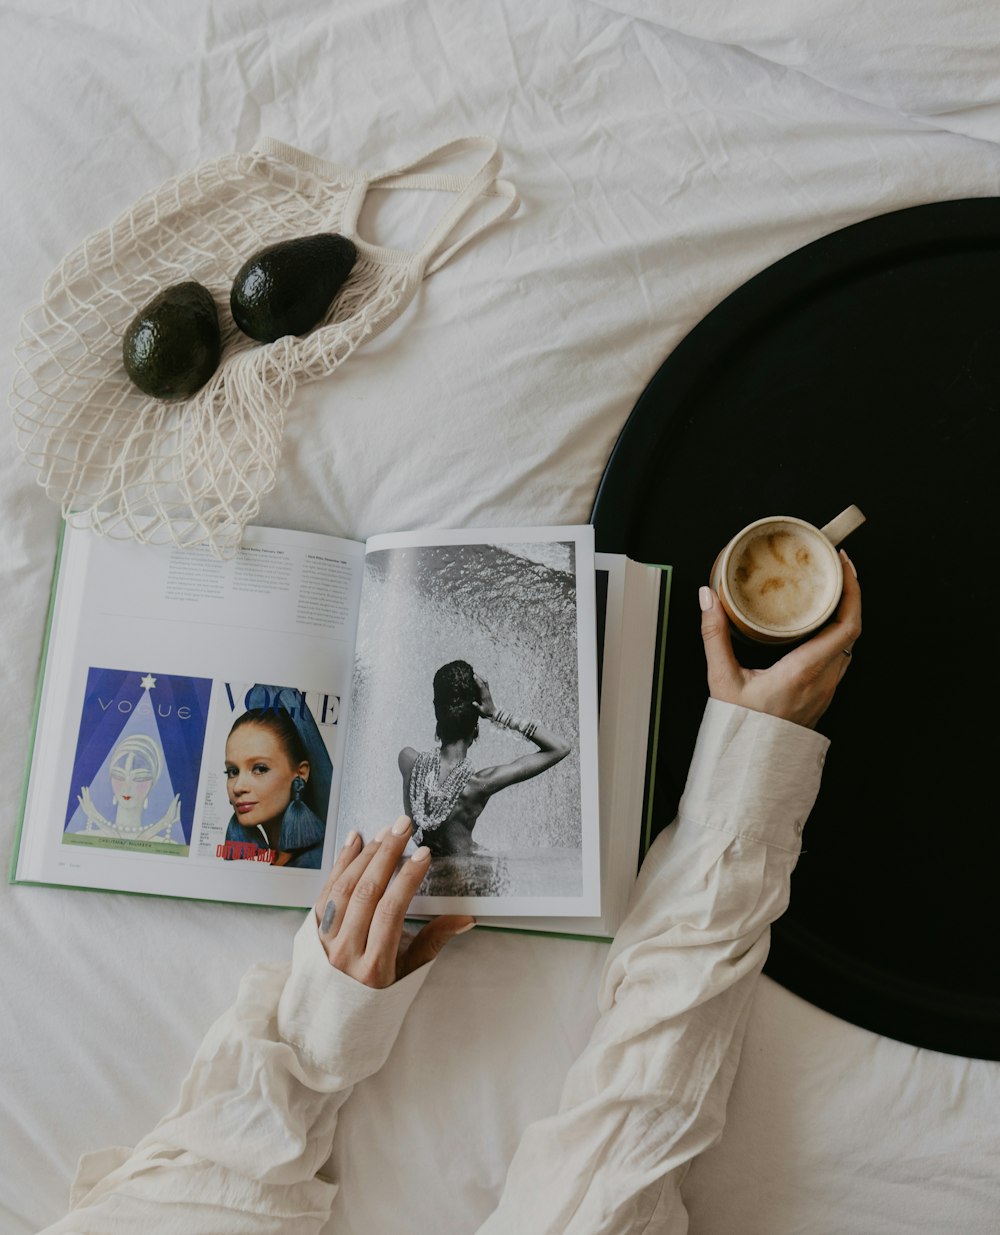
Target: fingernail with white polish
(463,929)
(705,599)
(401,826)
(421,854)
(854,569)
(352,839)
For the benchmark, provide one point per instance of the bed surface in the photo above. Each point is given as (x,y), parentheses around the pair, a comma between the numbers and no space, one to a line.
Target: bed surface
(664,153)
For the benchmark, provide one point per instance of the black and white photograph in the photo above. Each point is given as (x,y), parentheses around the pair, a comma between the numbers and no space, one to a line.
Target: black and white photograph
(474,713)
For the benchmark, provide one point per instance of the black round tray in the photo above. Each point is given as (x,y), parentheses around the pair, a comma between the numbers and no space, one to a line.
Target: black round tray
(862,368)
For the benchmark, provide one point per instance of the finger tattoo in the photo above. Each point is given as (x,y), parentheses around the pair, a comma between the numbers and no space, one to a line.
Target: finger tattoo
(328,912)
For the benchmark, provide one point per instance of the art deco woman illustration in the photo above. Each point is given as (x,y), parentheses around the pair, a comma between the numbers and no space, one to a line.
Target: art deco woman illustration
(136,766)
(443,793)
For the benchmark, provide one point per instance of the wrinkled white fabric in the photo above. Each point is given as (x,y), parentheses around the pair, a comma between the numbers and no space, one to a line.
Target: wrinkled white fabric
(649,1092)
(257,1113)
(917,58)
(243,1148)
(663,158)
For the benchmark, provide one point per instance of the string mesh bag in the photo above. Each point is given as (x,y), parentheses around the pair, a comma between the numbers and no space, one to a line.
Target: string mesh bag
(193,472)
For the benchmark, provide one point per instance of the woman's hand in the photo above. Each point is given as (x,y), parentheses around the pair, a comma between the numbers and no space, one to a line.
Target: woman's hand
(801,685)
(94,816)
(485,706)
(361,909)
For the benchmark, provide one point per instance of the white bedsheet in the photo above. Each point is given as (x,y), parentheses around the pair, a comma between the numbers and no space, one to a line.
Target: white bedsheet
(665,152)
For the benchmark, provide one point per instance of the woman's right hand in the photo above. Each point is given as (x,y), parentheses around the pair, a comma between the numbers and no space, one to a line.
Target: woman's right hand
(362,908)
(485,706)
(800,686)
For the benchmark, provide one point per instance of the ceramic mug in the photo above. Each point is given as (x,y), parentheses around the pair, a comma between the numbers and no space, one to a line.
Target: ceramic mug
(780,578)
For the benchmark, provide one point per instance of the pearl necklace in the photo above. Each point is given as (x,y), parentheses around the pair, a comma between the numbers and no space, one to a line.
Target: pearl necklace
(430,801)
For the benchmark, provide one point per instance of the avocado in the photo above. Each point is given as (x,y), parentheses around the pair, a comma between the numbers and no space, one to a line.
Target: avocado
(288,287)
(173,344)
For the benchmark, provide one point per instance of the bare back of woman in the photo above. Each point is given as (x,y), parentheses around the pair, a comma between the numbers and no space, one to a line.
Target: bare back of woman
(442,793)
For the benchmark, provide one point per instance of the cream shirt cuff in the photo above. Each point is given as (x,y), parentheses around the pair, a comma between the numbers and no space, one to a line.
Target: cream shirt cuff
(753,775)
(338,1025)
(261,1100)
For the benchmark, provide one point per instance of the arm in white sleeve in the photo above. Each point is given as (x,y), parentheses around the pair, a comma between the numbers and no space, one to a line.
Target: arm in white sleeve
(649,1092)
(255,1120)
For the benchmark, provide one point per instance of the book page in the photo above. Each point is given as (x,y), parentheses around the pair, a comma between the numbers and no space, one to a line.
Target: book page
(155,654)
(454,624)
(629,624)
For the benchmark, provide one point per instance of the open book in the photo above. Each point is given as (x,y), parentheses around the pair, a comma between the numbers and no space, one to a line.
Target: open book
(214,729)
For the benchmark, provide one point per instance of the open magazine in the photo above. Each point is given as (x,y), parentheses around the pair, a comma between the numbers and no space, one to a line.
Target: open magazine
(213,729)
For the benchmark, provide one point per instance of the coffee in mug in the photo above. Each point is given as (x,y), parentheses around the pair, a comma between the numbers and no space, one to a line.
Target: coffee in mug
(780,578)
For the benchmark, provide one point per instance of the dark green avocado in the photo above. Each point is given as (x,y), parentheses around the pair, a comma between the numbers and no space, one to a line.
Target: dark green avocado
(288,287)
(173,345)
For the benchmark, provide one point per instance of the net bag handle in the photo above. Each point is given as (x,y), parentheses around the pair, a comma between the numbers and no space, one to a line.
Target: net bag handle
(470,190)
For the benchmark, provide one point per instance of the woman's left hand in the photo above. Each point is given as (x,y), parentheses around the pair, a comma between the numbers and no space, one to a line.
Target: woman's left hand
(800,686)
(361,910)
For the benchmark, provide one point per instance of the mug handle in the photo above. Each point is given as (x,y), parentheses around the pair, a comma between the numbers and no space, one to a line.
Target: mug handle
(846,522)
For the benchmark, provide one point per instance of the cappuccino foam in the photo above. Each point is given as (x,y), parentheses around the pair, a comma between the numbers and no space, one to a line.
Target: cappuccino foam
(781,579)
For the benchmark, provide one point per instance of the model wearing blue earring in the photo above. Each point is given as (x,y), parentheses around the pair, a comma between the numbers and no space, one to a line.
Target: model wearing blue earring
(301,828)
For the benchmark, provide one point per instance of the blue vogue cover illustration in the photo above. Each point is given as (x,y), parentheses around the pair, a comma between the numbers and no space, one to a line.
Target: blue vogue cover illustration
(138,755)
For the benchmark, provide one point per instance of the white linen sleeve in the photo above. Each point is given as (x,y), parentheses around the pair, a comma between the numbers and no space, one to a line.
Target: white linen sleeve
(649,1092)
(242,1150)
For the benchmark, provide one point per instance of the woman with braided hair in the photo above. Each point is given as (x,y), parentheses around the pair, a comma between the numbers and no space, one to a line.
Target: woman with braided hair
(443,793)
